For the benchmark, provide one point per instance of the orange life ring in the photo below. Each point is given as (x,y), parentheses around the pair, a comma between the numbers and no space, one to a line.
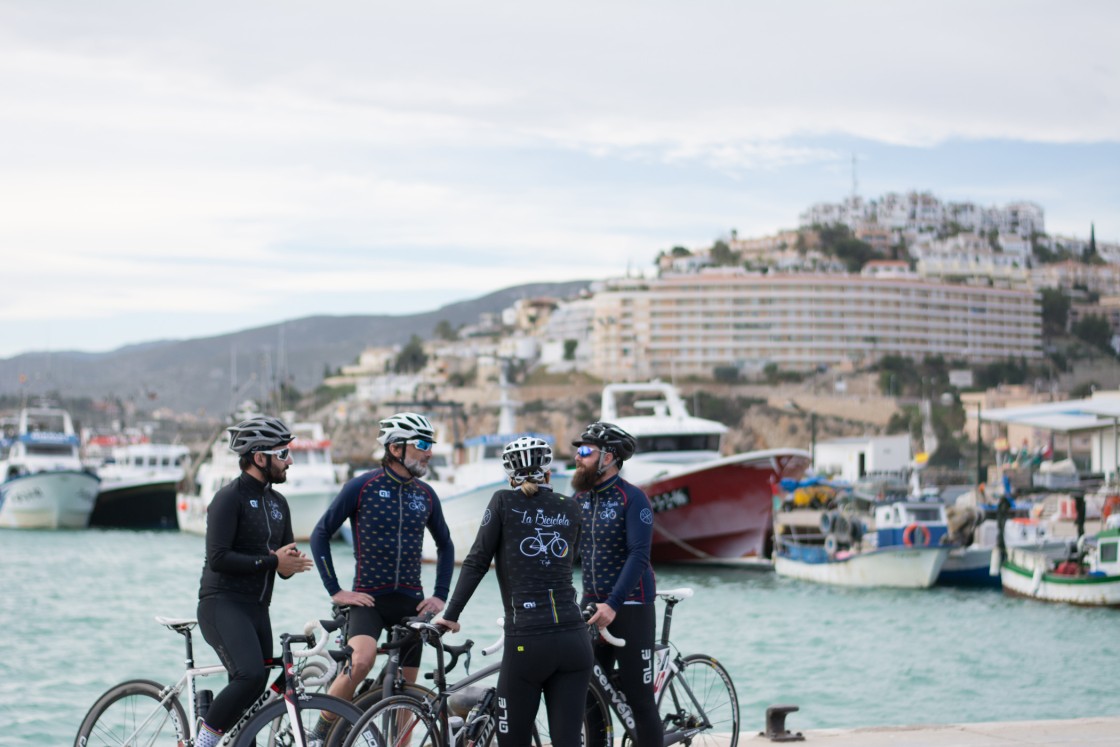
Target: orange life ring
(908,535)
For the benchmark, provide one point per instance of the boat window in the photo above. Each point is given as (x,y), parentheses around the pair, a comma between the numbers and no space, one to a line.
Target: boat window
(926,514)
(49,449)
(686,442)
(1108,552)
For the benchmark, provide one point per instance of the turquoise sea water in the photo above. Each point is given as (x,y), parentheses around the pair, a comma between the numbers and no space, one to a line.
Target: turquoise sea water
(76,613)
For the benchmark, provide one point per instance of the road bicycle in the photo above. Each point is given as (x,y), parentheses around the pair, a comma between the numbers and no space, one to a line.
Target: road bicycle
(694,694)
(460,714)
(143,712)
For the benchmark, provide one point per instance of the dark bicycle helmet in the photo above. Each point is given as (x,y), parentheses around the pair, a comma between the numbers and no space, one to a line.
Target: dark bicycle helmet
(258,434)
(609,437)
(404,426)
(527,458)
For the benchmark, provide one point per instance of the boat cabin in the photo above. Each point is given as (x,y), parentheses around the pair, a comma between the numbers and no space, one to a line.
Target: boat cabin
(911,523)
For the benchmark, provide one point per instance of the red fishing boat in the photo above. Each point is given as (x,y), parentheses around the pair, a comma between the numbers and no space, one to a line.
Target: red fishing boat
(707,507)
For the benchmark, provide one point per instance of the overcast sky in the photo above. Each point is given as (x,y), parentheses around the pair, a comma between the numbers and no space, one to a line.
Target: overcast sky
(176,170)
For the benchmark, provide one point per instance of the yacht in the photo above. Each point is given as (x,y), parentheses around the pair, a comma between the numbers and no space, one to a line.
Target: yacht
(44,484)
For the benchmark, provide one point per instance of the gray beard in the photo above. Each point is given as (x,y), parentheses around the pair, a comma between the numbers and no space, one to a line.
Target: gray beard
(415,468)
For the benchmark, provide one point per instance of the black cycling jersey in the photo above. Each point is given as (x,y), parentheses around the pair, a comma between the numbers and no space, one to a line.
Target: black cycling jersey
(388,515)
(532,540)
(246,520)
(614,549)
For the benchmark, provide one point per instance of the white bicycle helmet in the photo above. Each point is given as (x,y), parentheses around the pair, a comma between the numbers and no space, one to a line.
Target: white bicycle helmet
(404,426)
(258,434)
(527,458)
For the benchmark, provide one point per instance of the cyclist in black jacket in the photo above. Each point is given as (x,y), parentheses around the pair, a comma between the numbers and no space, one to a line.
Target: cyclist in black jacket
(248,542)
(532,534)
(615,565)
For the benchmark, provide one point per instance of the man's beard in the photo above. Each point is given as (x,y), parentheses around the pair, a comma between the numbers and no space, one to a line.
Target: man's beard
(415,467)
(585,477)
(277,473)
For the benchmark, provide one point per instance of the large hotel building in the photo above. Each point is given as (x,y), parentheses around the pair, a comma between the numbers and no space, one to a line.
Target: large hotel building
(692,324)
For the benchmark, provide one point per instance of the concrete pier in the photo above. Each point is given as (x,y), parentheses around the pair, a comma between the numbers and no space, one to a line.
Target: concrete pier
(1081,732)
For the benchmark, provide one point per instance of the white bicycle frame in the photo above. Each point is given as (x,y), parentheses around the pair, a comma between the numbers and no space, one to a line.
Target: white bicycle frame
(192,673)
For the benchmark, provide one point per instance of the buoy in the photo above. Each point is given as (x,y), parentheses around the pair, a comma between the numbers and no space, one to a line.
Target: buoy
(908,538)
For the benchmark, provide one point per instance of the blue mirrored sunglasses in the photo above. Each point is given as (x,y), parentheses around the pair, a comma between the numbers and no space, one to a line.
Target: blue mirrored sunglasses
(280,454)
(421,443)
(585,451)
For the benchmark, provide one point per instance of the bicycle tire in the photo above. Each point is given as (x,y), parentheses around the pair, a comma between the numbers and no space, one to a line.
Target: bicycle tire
(123,708)
(715,694)
(397,721)
(271,727)
(598,729)
(372,697)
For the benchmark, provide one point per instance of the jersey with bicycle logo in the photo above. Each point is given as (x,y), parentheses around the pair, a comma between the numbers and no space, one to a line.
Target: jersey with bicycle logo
(389,516)
(532,541)
(614,548)
(245,521)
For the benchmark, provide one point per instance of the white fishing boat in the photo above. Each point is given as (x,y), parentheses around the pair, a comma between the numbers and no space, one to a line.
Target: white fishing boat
(44,483)
(976,561)
(897,545)
(313,480)
(139,481)
(1089,577)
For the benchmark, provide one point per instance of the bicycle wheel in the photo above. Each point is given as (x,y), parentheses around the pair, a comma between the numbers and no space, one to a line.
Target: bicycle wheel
(272,725)
(598,730)
(372,697)
(701,698)
(397,721)
(133,713)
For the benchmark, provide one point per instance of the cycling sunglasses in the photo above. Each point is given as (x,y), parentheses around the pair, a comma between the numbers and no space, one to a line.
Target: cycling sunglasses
(586,451)
(422,444)
(280,454)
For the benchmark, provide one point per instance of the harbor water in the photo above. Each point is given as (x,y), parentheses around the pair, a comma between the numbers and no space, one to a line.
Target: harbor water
(77,606)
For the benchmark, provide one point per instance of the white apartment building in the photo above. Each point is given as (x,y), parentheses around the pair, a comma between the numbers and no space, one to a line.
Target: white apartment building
(1101,279)
(691,324)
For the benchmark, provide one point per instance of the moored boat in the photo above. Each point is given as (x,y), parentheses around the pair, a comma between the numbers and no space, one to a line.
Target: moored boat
(707,507)
(312,479)
(1089,578)
(44,484)
(139,481)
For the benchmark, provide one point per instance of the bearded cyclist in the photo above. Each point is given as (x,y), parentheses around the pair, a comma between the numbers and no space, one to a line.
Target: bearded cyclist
(617,574)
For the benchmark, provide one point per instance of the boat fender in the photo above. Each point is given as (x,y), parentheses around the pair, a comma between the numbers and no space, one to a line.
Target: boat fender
(921,540)
(826,521)
(841,526)
(1036,582)
(831,545)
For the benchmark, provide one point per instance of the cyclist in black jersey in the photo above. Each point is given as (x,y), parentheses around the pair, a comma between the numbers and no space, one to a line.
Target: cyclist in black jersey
(531,533)
(616,570)
(389,510)
(248,542)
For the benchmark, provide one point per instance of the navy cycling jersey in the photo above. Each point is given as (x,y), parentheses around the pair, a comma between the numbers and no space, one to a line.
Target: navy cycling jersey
(245,523)
(388,515)
(533,540)
(614,549)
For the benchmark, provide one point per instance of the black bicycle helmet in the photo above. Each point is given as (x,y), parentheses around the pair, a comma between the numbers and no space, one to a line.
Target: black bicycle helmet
(609,437)
(258,434)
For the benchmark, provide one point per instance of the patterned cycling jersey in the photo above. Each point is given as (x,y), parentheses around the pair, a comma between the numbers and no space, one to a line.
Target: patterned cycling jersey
(614,549)
(532,540)
(388,515)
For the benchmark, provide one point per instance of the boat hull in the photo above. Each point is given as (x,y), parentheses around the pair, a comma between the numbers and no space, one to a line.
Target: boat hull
(61,499)
(721,510)
(974,566)
(892,567)
(139,505)
(1026,575)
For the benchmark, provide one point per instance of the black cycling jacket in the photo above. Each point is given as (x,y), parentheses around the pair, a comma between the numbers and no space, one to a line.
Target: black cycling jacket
(246,520)
(532,540)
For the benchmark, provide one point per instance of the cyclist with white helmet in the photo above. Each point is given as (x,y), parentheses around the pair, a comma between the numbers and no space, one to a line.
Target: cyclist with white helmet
(248,542)
(389,510)
(531,534)
(616,569)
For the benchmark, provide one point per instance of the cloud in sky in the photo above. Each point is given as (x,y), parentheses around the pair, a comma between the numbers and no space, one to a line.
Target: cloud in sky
(175,171)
